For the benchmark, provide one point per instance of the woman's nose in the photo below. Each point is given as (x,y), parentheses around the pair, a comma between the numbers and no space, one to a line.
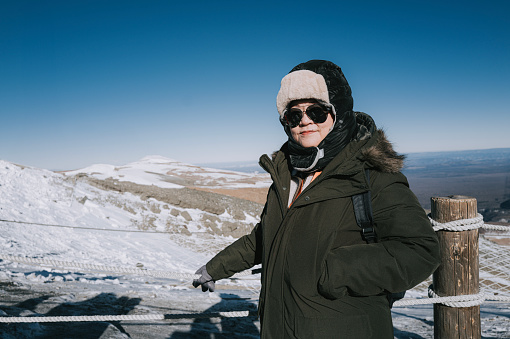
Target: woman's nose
(305,120)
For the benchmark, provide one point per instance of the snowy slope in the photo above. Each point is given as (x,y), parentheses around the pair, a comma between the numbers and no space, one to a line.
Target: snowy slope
(43,197)
(39,196)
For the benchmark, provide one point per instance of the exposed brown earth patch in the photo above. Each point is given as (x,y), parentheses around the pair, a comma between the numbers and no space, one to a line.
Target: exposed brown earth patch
(210,202)
(257,195)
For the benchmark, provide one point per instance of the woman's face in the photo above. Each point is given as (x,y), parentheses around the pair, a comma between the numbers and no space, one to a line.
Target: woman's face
(309,133)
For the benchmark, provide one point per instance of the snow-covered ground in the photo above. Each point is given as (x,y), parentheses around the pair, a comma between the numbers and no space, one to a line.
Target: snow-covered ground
(75,217)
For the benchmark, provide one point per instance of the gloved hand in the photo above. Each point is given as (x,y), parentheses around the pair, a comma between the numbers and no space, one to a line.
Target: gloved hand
(205,280)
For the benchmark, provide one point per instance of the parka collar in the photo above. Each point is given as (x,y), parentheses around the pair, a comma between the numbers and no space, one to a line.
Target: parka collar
(371,148)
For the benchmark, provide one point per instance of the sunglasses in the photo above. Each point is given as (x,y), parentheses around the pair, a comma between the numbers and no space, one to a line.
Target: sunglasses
(317,113)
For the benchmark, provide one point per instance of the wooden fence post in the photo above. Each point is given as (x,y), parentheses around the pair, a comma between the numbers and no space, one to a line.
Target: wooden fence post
(458,273)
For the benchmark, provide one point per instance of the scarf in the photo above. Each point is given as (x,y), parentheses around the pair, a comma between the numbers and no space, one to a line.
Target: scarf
(311,159)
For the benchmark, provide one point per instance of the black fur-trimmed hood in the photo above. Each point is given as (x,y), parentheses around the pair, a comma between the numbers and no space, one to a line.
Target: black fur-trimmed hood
(380,154)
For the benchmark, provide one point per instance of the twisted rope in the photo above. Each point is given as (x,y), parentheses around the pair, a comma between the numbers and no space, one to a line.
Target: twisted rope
(497,228)
(466,225)
(467,300)
(128,317)
(80,318)
(57,264)
(458,225)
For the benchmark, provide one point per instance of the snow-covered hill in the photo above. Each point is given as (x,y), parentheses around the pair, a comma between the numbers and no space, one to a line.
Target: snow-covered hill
(169,173)
(146,195)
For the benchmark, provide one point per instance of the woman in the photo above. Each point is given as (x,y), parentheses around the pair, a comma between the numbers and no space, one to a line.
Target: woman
(320,279)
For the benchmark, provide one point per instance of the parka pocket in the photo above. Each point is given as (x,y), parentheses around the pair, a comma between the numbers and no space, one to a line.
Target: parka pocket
(324,287)
(343,326)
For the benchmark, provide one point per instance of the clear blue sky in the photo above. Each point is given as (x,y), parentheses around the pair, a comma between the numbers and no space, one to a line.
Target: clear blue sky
(85,82)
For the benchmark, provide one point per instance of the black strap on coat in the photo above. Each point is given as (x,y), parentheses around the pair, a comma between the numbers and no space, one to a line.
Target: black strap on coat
(363,210)
(362,204)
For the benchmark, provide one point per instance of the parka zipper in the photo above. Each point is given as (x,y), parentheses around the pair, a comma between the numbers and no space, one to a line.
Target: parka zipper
(286,212)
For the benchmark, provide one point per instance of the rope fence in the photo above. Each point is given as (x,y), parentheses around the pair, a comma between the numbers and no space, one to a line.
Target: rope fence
(82,227)
(92,268)
(451,301)
(467,225)
(467,300)
(128,317)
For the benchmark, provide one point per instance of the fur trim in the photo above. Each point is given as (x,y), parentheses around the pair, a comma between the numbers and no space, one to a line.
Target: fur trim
(299,85)
(382,155)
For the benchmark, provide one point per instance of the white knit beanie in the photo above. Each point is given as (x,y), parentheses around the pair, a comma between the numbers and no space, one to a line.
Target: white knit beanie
(299,85)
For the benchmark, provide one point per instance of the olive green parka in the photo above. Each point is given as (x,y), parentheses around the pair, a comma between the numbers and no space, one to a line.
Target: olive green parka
(320,279)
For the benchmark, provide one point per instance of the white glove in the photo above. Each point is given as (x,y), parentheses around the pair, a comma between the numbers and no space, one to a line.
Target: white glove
(206,281)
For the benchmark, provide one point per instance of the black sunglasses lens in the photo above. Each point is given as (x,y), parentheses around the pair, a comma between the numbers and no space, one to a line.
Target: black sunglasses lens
(317,114)
(293,117)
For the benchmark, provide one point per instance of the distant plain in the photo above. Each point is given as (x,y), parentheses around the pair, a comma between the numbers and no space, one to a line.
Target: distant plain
(482,174)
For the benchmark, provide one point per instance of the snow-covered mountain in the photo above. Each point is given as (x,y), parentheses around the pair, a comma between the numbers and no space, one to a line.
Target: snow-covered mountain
(168,173)
(89,210)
